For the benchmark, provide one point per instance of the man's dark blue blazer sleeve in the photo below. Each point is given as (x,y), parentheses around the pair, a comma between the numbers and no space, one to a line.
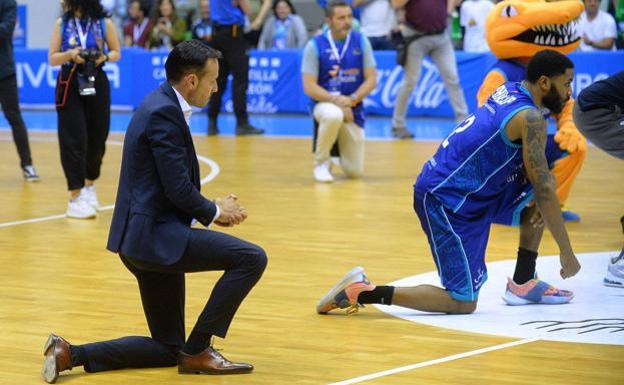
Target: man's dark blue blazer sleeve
(171,156)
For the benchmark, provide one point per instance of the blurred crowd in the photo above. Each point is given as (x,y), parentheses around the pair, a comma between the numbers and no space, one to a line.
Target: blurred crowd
(275,24)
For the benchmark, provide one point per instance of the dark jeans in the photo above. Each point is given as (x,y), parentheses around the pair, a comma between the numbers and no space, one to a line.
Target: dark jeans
(83,125)
(381,43)
(162,294)
(232,44)
(10,106)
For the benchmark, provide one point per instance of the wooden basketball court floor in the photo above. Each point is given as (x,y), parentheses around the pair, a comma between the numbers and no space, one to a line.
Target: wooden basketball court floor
(56,275)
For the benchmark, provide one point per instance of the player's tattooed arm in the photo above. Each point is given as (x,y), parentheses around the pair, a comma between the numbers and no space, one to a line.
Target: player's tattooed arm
(534,155)
(534,152)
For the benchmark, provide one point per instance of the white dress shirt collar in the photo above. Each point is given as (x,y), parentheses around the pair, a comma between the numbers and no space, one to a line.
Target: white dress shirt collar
(186,108)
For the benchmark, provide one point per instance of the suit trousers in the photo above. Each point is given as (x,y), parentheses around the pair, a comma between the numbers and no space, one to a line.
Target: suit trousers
(229,39)
(10,106)
(162,291)
(83,125)
(350,138)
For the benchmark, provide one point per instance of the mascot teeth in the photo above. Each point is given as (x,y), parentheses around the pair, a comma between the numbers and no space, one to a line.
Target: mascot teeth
(534,26)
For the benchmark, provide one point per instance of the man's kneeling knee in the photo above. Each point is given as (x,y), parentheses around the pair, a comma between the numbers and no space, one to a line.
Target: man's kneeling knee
(463,307)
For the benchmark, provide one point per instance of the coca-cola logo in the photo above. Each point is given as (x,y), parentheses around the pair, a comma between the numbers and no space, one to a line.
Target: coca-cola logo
(428,93)
(255,105)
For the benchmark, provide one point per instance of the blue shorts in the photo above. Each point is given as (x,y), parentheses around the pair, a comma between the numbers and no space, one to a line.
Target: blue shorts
(458,240)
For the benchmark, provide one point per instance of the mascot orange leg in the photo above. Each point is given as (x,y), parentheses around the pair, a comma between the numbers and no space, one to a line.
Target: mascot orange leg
(565,172)
(566,169)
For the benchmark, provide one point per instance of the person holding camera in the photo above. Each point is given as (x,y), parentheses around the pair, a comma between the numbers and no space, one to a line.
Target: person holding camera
(83,39)
(169,29)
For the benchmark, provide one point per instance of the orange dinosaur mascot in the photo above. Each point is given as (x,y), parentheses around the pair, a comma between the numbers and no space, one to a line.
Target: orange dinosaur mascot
(515,31)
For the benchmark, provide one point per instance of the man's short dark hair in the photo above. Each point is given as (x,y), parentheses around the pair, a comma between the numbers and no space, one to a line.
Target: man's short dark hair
(331,4)
(547,63)
(188,57)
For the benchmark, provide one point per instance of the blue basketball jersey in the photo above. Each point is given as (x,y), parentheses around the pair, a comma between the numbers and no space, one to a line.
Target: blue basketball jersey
(477,161)
(342,75)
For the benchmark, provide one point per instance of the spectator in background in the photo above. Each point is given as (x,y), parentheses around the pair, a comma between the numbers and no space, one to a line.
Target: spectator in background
(338,72)
(116,10)
(258,12)
(616,9)
(82,104)
(9,99)
(284,29)
(139,26)
(426,21)
(472,16)
(169,29)
(378,19)
(202,29)
(597,28)
(187,10)
(227,37)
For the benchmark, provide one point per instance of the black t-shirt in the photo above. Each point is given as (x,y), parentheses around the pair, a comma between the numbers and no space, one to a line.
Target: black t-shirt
(604,93)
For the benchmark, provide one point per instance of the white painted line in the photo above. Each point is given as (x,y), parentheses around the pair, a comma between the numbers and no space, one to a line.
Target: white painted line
(214,171)
(390,372)
(33,220)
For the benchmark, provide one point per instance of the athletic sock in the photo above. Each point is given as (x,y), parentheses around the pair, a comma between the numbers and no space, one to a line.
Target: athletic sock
(525,266)
(196,342)
(77,356)
(381,295)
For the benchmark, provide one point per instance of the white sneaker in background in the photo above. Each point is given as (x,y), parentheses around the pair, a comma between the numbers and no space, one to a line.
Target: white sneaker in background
(29,173)
(88,194)
(80,209)
(615,272)
(322,173)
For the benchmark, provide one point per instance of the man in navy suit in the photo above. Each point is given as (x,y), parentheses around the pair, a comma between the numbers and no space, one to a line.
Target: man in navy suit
(157,200)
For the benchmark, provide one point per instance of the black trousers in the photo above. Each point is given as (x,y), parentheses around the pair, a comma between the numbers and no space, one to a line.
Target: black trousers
(162,294)
(83,125)
(232,44)
(10,106)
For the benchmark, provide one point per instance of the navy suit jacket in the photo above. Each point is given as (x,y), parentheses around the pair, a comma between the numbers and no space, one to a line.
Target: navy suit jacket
(158,194)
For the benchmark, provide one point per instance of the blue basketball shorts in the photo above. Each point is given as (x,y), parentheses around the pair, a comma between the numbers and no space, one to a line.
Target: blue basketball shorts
(457,244)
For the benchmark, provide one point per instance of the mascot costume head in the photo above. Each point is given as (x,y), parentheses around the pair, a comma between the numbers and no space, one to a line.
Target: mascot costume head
(522,28)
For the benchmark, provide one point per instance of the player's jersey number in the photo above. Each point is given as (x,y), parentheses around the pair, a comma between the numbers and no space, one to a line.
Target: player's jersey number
(463,126)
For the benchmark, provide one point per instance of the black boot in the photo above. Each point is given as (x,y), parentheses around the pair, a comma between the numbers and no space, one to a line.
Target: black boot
(248,129)
(212,127)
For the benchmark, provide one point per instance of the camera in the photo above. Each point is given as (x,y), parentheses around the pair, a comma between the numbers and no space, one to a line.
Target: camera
(86,78)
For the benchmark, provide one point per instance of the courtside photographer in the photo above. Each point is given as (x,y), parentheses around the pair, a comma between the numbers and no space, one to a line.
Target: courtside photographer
(82,41)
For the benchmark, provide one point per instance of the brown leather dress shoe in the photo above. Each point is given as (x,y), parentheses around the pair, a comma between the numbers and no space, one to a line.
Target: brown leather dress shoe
(57,358)
(210,362)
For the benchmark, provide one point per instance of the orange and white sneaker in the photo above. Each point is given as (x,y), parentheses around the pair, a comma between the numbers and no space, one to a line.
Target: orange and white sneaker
(535,291)
(345,293)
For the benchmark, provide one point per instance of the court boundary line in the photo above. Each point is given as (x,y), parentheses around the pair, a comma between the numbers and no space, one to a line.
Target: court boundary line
(436,361)
(214,171)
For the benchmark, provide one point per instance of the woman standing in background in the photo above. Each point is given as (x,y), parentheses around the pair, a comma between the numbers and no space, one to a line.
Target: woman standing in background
(83,39)
(285,29)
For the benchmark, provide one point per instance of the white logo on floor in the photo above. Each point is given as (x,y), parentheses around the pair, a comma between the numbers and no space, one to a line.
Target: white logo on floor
(595,315)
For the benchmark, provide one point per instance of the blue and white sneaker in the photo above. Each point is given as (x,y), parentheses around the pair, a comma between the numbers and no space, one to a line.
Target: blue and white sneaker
(535,291)
(615,272)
